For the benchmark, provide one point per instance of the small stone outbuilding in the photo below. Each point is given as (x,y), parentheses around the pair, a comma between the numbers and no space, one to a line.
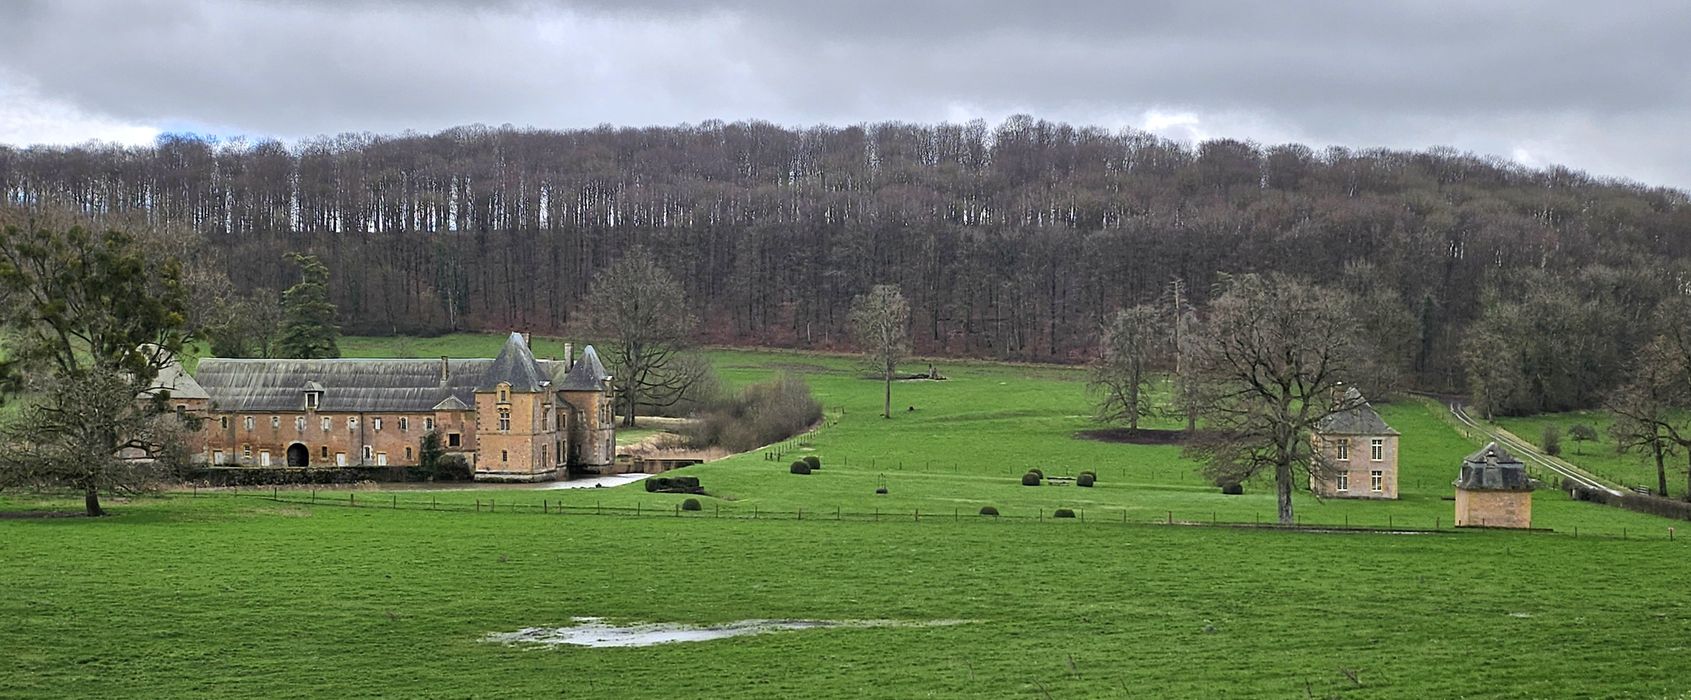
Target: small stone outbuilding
(1494,490)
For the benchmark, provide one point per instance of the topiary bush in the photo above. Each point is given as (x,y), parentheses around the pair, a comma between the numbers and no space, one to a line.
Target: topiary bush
(1089,471)
(812,460)
(655,484)
(1233,488)
(1031,478)
(1062,513)
(882,491)
(989,510)
(799,467)
(691,504)
(1036,470)
(1085,480)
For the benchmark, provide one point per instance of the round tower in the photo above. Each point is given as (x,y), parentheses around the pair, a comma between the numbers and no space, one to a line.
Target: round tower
(1493,490)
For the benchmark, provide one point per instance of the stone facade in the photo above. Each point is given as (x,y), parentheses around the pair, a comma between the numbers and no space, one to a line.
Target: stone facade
(1493,490)
(512,418)
(1359,452)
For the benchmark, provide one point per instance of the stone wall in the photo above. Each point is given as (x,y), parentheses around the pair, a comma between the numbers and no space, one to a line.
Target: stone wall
(1358,467)
(394,439)
(1493,508)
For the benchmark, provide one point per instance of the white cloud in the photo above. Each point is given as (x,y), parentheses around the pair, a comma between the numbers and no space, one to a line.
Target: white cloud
(27,118)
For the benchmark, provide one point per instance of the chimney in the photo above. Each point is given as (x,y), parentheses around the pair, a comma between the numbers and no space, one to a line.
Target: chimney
(445,369)
(569,356)
(525,339)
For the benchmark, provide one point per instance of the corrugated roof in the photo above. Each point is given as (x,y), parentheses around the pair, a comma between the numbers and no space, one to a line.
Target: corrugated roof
(588,374)
(1360,419)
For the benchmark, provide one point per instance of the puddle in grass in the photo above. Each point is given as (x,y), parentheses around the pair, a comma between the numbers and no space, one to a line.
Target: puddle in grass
(595,632)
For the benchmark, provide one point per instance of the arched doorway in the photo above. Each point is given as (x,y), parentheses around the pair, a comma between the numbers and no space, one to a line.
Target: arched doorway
(298,455)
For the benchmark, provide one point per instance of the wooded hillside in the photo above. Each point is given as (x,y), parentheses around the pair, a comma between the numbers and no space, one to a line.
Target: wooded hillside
(1012,242)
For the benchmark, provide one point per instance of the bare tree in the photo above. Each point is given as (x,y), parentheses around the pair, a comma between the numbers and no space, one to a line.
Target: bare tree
(1121,377)
(1273,358)
(1182,322)
(1643,408)
(642,310)
(880,323)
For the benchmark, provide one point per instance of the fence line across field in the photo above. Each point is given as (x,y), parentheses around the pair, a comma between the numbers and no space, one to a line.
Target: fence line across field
(1118,516)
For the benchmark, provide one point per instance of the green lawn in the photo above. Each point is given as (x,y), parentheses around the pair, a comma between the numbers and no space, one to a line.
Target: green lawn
(234,595)
(1599,457)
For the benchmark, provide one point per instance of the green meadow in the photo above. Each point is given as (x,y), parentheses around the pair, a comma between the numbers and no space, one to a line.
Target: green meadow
(226,594)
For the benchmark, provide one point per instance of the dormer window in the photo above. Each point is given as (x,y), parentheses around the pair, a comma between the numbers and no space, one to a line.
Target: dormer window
(504,392)
(313,399)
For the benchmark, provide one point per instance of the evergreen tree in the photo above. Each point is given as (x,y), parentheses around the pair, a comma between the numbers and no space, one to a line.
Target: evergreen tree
(308,317)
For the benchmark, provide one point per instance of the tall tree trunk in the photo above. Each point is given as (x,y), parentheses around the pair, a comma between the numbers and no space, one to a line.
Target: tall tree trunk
(91,502)
(1662,471)
(1283,491)
(628,413)
(886,408)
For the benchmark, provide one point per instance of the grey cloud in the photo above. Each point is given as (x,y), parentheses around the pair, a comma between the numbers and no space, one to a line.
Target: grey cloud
(1600,85)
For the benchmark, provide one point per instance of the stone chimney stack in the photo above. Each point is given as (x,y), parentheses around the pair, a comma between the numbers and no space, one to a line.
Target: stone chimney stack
(445,369)
(526,341)
(569,356)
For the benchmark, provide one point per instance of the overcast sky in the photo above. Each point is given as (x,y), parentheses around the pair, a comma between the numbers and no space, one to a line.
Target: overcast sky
(1600,86)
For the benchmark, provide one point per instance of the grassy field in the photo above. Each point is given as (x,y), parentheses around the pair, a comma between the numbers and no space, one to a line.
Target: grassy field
(1599,456)
(234,595)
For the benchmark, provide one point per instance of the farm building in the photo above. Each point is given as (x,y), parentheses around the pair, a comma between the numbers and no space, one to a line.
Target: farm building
(1493,490)
(1361,449)
(512,417)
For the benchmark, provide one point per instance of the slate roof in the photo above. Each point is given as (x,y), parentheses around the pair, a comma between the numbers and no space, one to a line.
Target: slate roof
(516,366)
(1492,468)
(1361,419)
(588,374)
(179,383)
(393,385)
(408,385)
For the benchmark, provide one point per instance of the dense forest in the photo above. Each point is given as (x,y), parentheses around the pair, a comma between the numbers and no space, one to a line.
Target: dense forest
(1012,242)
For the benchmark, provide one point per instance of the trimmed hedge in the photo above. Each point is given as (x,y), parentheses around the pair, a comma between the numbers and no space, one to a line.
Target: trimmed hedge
(1654,505)
(799,467)
(691,504)
(1085,480)
(1233,488)
(1032,478)
(1036,470)
(812,460)
(673,484)
(989,510)
(1062,513)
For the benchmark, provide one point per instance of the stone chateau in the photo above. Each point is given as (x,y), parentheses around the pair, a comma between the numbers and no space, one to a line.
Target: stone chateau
(512,417)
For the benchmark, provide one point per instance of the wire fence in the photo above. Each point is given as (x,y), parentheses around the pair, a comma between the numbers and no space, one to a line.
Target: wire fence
(1388,524)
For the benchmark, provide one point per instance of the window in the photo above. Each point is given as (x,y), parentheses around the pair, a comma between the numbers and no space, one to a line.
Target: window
(504,421)
(1343,482)
(275,422)
(1376,481)
(453,439)
(543,455)
(248,423)
(264,458)
(312,398)
(223,422)
(368,453)
(181,409)
(246,452)
(340,459)
(376,423)
(351,422)
(381,459)
(428,424)
(1377,449)
(407,454)
(217,456)
(504,393)
(328,424)
(504,456)
(299,423)
(548,419)
(404,423)
(324,452)
(1344,450)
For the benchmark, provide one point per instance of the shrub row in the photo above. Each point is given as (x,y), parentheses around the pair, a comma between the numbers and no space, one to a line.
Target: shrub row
(1654,505)
(673,484)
